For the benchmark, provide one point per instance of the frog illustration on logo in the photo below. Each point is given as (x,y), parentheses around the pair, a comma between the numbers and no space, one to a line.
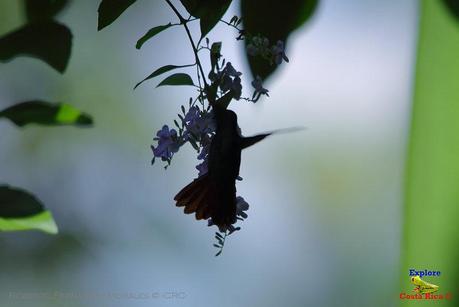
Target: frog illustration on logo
(423,286)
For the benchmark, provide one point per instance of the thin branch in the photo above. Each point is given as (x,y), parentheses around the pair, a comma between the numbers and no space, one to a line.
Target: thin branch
(231,25)
(183,21)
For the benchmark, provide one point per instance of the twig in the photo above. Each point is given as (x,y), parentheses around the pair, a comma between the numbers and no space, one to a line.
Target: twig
(183,21)
(230,24)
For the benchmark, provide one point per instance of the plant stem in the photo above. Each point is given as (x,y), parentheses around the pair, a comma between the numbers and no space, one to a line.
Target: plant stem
(183,21)
(231,25)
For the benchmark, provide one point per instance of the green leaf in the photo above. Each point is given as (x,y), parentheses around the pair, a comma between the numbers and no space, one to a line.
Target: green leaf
(43,221)
(453,6)
(45,113)
(16,203)
(110,10)
(279,19)
(177,79)
(49,41)
(152,32)
(430,226)
(20,210)
(43,9)
(160,71)
(209,12)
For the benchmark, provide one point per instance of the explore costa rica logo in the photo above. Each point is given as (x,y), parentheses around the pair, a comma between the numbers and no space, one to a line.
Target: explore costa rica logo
(424,290)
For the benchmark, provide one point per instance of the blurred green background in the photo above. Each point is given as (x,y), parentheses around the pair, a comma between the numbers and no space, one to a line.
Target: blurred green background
(325,222)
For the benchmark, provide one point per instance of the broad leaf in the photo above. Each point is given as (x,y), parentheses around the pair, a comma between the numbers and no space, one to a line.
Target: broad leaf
(49,41)
(43,9)
(152,32)
(177,79)
(110,10)
(20,210)
(430,226)
(43,221)
(275,20)
(160,71)
(453,6)
(16,203)
(45,113)
(209,12)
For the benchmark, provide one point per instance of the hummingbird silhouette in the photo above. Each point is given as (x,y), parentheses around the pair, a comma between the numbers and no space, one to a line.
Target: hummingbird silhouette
(213,195)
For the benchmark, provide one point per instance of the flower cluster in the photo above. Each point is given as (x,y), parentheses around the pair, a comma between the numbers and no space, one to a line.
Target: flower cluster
(197,127)
(241,207)
(168,144)
(228,79)
(260,46)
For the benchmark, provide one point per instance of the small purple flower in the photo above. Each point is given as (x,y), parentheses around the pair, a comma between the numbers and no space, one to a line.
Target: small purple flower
(241,206)
(204,152)
(230,80)
(258,85)
(229,70)
(168,143)
(226,83)
(202,168)
(203,155)
(278,52)
(199,124)
(259,89)
(236,88)
(192,114)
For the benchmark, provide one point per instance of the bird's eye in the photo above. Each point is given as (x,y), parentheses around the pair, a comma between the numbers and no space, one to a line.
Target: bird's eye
(412,278)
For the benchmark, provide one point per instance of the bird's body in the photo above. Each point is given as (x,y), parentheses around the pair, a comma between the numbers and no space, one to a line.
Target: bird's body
(213,195)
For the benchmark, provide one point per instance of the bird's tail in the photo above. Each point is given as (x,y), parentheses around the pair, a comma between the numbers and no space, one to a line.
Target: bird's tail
(203,197)
(198,196)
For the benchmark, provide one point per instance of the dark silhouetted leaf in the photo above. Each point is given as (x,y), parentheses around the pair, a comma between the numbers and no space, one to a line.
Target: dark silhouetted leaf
(275,20)
(215,54)
(177,79)
(110,10)
(453,6)
(45,113)
(20,210)
(152,32)
(160,71)
(209,12)
(18,203)
(43,9)
(49,41)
